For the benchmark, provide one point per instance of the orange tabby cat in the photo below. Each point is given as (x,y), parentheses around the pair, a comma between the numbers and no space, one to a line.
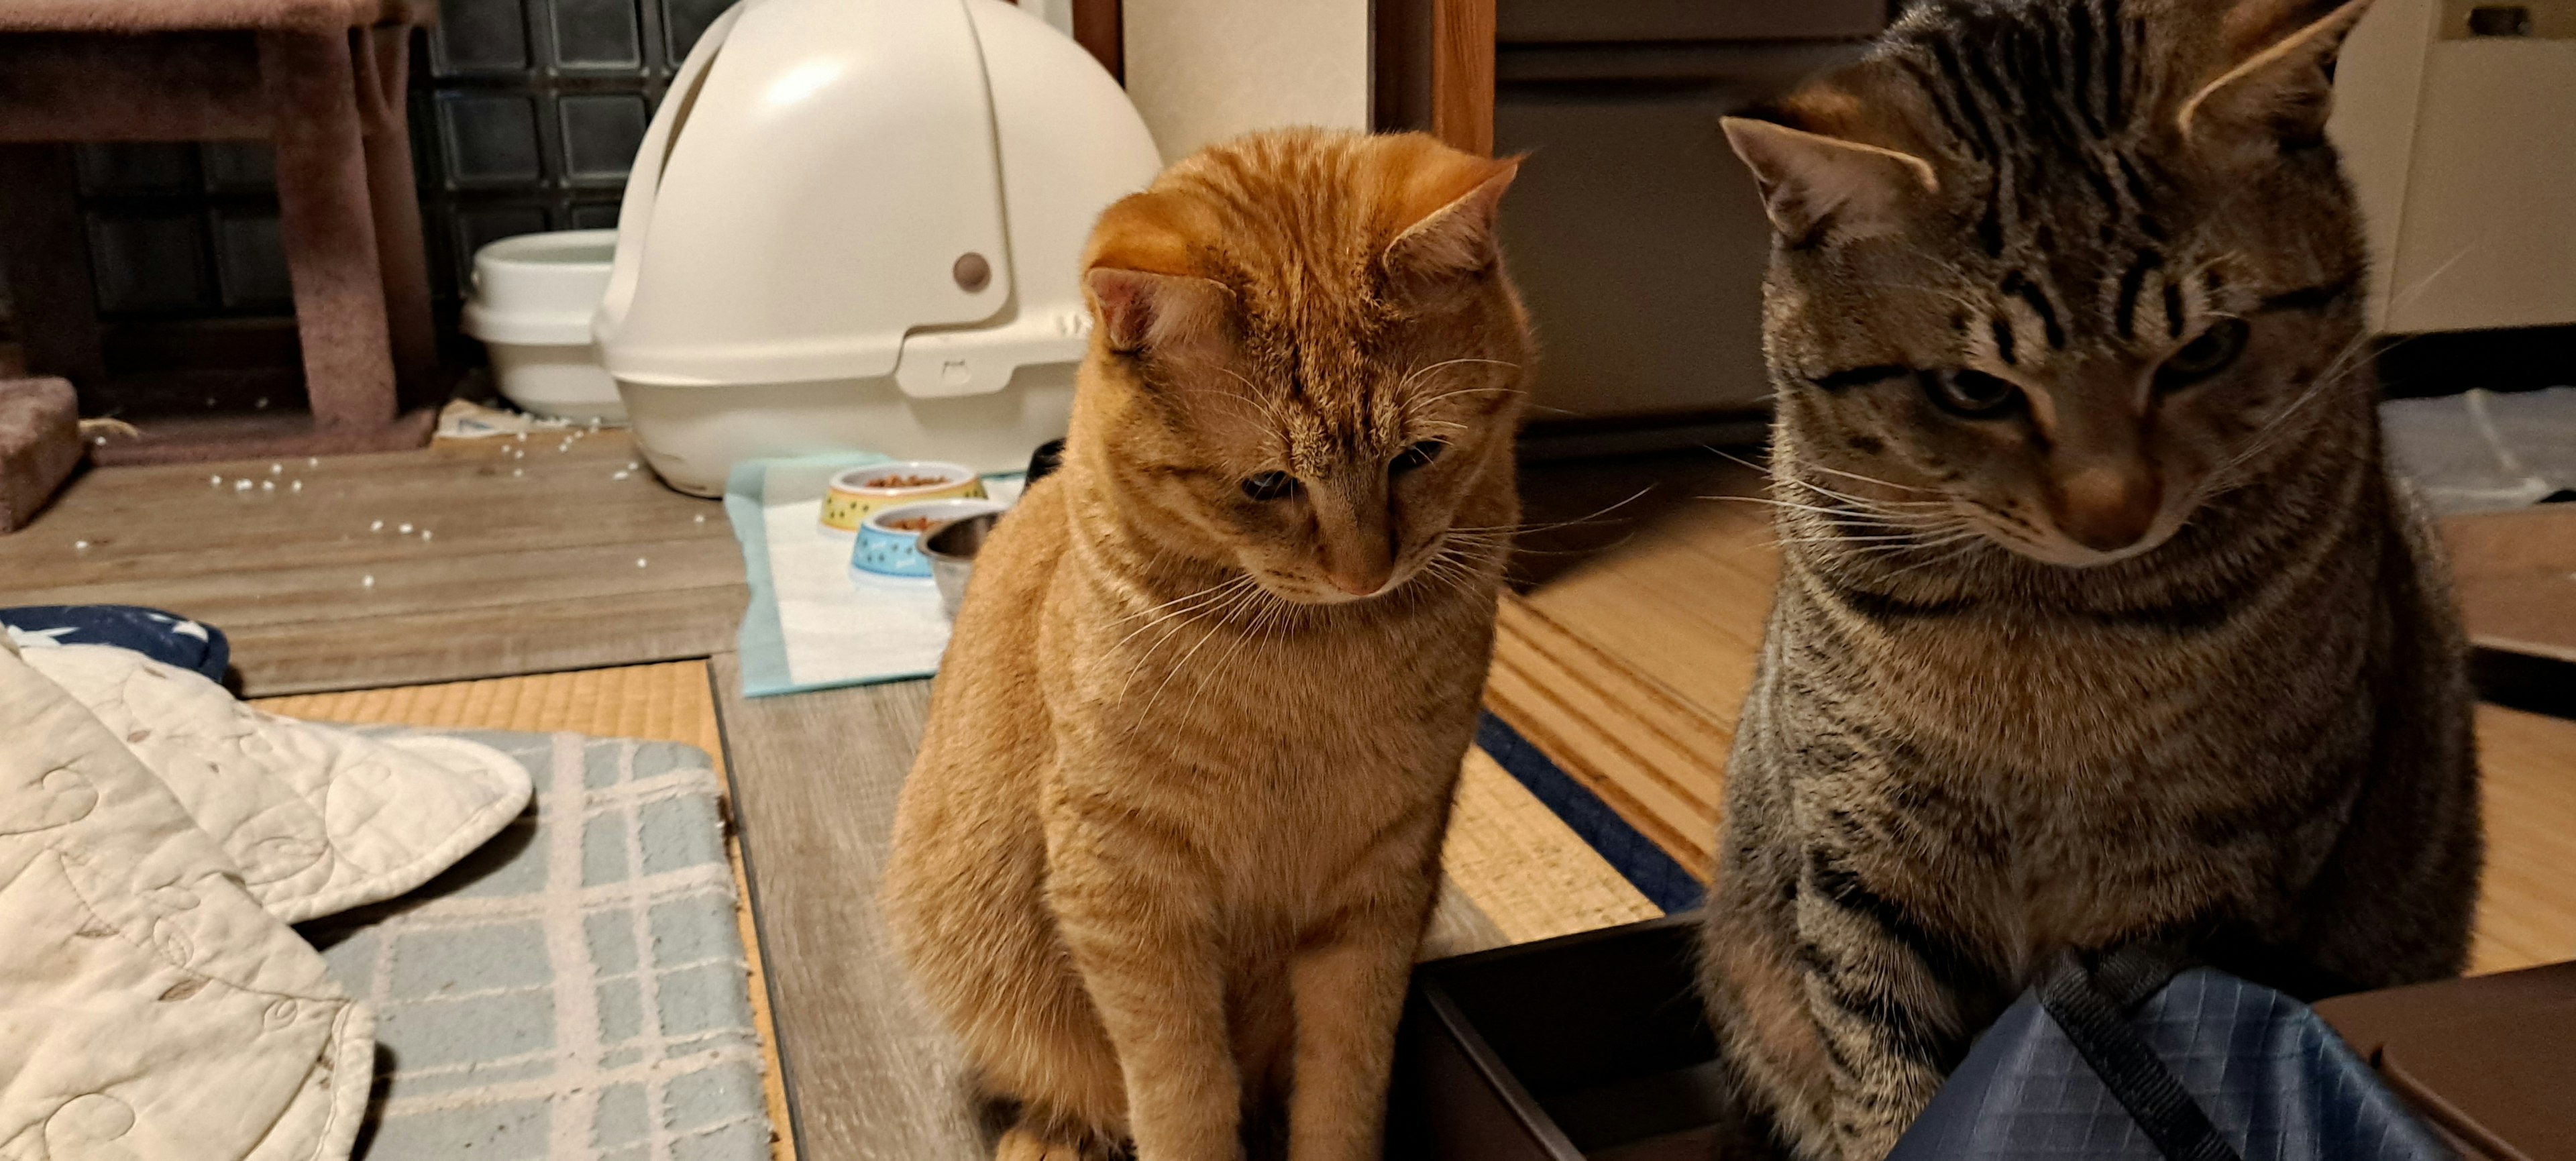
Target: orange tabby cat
(1174,832)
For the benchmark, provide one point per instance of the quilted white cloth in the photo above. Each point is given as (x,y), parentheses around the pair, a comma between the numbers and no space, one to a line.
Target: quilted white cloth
(317,819)
(150,1008)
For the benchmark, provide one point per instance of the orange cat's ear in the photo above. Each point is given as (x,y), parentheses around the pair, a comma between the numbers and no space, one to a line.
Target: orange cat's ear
(1456,239)
(1138,311)
(2276,82)
(1817,188)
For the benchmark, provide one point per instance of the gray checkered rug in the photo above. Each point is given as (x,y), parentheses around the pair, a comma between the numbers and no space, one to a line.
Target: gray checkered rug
(576,988)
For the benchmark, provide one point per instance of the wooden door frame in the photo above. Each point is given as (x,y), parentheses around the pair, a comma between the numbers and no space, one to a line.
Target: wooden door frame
(1434,69)
(1101,26)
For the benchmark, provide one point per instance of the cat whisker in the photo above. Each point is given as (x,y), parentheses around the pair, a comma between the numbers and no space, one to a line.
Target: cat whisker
(1411,376)
(1214,596)
(1950,557)
(1590,518)
(1867,479)
(1862,515)
(1265,617)
(1247,599)
(1865,501)
(1427,400)
(1237,579)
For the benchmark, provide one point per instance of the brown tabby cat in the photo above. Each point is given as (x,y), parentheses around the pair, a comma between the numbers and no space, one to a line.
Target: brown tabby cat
(2100,616)
(1174,832)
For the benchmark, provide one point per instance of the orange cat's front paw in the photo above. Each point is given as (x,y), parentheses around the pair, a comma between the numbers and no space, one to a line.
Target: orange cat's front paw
(1020,1144)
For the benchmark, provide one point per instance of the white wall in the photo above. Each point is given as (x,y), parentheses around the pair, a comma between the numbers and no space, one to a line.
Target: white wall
(2489,238)
(2378,86)
(1204,70)
(2462,152)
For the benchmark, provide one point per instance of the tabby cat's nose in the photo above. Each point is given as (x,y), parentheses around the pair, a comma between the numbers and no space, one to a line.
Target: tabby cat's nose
(2109,507)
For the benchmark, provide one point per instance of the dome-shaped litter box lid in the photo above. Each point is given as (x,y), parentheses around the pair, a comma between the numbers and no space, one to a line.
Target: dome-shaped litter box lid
(829,179)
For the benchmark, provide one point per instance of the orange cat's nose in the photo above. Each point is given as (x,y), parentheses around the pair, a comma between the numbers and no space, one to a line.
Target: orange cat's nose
(1361,583)
(2107,507)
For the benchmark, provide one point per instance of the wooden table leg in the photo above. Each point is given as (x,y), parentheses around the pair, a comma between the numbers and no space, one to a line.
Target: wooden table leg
(326,214)
(384,73)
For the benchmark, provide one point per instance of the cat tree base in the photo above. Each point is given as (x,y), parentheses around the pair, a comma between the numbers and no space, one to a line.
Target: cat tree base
(324,83)
(234,437)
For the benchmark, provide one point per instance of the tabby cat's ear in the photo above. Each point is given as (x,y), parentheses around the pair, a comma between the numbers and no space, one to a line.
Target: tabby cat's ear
(1457,239)
(1139,311)
(1818,188)
(2276,81)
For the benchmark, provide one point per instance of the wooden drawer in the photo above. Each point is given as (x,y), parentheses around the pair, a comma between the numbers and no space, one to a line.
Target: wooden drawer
(1633,21)
(1635,234)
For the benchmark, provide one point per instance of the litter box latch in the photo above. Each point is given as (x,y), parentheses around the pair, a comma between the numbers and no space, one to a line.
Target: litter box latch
(976,361)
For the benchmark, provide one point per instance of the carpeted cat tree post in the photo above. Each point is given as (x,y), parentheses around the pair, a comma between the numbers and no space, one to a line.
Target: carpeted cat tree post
(324,82)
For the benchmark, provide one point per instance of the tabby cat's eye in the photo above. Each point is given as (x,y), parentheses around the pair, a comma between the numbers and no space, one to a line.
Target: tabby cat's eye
(1270,486)
(1416,456)
(2211,351)
(1971,394)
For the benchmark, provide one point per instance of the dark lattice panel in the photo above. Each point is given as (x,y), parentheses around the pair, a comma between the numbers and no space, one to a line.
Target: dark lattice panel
(525,114)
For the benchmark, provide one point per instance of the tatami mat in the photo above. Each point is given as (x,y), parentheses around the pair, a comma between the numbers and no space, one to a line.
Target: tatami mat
(664,703)
(1524,867)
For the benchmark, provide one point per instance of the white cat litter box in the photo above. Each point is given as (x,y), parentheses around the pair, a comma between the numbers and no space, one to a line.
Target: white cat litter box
(857,225)
(533,301)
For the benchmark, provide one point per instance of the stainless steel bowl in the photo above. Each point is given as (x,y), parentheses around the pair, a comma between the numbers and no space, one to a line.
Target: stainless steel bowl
(951,548)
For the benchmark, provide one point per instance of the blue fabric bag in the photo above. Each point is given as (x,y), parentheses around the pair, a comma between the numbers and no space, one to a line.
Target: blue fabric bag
(164,637)
(2131,1058)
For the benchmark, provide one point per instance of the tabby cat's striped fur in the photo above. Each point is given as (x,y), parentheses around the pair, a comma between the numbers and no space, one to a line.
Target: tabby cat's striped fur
(2100,616)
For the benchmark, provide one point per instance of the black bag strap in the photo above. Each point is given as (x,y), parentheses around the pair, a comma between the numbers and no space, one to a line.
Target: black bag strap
(2092,1004)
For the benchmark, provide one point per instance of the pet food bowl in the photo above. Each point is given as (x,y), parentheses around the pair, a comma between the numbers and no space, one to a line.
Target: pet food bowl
(859,492)
(889,542)
(951,548)
(534,296)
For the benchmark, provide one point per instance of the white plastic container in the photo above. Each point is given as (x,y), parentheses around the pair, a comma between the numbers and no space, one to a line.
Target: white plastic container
(533,301)
(857,224)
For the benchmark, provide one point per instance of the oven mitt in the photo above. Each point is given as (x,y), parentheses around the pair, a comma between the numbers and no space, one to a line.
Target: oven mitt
(150,1008)
(319,819)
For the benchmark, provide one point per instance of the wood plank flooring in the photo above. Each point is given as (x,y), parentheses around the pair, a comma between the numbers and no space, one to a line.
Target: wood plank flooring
(871,1077)
(1628,653)
(2516,573)
(522,557)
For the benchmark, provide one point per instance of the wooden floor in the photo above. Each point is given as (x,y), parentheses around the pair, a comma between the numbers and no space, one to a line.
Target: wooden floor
(1631,647)
(2516,573)
(522,557)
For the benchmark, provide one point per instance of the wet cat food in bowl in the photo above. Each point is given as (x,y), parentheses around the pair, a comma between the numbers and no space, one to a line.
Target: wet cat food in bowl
(951,549)
(858,492)
(889,539)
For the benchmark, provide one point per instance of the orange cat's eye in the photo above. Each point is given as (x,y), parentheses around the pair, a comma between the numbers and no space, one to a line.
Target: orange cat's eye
(1270,486)
(1415,456)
